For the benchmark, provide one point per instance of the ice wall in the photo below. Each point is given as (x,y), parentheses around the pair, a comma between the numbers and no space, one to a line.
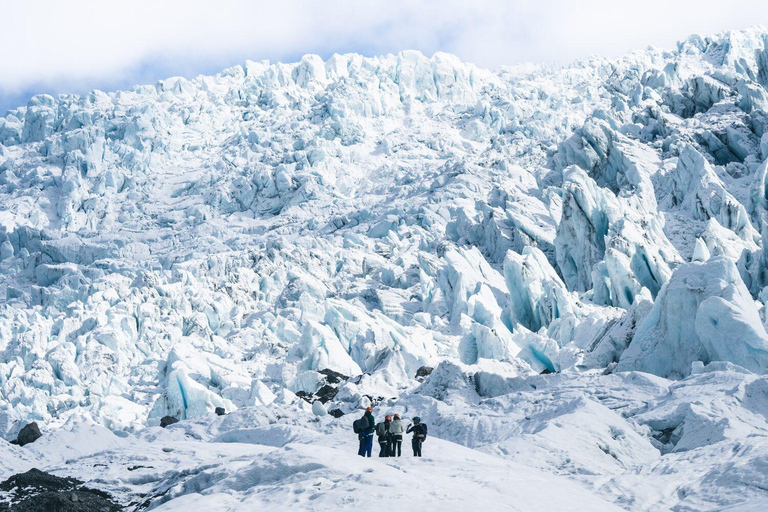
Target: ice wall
(703,314)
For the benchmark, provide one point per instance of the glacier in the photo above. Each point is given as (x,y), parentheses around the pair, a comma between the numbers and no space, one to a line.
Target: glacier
(578,254)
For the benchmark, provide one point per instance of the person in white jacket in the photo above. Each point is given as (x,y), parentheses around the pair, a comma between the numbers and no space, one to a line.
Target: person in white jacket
(396,430)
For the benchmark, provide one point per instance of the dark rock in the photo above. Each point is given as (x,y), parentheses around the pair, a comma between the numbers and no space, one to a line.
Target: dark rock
(664,436)
(134,468)
(29,434)
(336,413)
(326,393)
(167,420)
(220,411)
(37,490)
(333,377)
(545,371)
(424,371)
(304,396)
(375,400)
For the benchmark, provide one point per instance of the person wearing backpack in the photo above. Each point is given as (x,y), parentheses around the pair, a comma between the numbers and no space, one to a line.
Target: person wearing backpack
(358,426)
(382,433)
(396,430)
(365,427)
(419,430)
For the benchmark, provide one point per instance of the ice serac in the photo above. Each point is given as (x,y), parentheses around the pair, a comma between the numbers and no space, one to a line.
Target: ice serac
(608,345)
(537,294)
(696,189)
(476,295)
(610,245)
(612,159)
(583,228)
(320,349)
(184,398)
(704,314)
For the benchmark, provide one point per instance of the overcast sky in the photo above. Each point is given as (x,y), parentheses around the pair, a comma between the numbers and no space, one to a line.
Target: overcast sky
(58,46)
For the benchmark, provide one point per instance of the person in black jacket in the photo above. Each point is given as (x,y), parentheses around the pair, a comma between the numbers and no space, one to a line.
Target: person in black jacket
(366,436)
(419,430)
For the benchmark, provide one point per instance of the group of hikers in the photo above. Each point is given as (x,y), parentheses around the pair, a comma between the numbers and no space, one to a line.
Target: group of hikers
(389,434)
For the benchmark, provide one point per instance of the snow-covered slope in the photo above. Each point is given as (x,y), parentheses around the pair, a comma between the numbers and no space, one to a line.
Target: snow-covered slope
(290,467)
(225,241)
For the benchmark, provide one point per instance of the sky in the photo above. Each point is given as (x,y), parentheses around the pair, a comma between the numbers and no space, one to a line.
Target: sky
(74,46)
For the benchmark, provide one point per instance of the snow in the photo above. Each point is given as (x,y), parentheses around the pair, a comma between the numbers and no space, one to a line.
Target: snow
(239,240)
(290,467)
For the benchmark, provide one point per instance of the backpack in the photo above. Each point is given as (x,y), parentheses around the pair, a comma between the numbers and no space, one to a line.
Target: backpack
(381,429)
(359,425)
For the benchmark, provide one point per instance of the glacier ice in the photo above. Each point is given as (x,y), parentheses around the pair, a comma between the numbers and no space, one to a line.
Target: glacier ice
(705,313)
(234,240)
(537,294)
(607,247)
(696,188)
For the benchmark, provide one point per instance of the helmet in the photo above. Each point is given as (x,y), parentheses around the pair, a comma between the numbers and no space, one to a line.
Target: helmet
(416,418)
(387,417)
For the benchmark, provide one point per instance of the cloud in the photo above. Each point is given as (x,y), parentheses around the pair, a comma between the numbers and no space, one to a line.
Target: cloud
(50,45)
